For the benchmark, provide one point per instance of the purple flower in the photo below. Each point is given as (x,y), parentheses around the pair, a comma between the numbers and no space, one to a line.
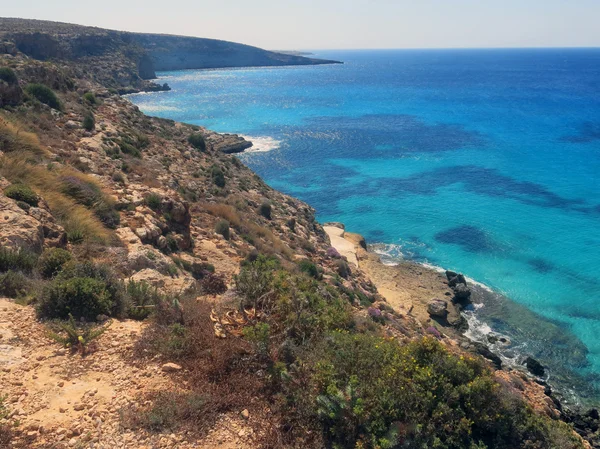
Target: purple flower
(433,331)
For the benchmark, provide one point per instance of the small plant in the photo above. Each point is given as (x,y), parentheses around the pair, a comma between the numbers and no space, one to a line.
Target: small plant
(153,201)
(44,95)
(259,336)
(22,192)
(291,223)
(143,298)
(89,122)
(118,177)
(52,261)
(265,210)
(75,236)
(77,338)
(17,260)
(222,227)
(197,141)
(90,98)
(8,75)
(217,176)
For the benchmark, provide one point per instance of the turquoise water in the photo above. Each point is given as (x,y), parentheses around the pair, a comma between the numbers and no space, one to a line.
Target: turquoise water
(482,161)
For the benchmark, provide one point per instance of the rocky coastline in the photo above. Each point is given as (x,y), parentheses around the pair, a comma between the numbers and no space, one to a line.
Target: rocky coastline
(436,300)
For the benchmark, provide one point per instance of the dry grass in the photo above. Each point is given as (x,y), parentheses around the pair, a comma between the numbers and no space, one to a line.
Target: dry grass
(14,139)
(18,165)
(263,238)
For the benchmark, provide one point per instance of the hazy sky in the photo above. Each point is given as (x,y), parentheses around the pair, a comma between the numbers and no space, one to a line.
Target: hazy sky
(337,24)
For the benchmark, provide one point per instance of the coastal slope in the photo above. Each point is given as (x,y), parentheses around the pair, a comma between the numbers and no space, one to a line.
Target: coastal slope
(125,60)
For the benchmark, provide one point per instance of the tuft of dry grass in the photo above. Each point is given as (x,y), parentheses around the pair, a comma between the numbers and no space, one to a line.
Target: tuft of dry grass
(15,140)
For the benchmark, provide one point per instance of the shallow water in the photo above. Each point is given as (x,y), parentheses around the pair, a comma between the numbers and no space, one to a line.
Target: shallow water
(481,161)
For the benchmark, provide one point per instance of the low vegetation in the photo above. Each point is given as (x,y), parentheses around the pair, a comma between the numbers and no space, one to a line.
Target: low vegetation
(8,75)
(44,94)
(22,192)
(197,141)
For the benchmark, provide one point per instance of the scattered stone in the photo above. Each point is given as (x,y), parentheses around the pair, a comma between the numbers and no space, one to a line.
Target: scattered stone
(171,367)
(245,414)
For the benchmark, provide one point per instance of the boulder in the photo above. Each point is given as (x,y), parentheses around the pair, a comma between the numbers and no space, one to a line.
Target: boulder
(17,228)
(488,354)
(437,308)
(534,367)
(462,293)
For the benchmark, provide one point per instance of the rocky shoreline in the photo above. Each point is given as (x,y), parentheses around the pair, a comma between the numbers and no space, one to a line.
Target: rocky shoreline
(436,300)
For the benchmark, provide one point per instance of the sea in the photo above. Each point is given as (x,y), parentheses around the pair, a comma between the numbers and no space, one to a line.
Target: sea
(486,162)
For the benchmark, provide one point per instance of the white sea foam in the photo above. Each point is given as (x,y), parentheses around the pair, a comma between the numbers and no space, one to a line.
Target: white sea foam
(159,108)
(261,144)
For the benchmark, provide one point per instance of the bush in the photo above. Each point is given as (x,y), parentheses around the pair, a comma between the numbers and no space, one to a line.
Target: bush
(90,98)
(222,227)
(44,94)
(22,192)
(265,210)
(8,75)
(217,176)
(17,260)
(89,122)
(255,281)
(153,201)
(84,290)
(82,297)
(52,261)
(197,141)
(14,284)
(343,269)
(306,266)
(213,284)
(87,193)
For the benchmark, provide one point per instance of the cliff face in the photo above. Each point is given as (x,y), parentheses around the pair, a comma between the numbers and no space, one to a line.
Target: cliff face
(125,60)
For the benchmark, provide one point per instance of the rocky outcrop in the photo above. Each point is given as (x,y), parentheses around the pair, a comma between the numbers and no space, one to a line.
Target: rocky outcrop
(11,94)
(229,143)
(534,367)
(437,308)
(458,283)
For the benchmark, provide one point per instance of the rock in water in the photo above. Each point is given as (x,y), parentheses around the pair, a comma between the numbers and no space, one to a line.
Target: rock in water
(534,367)
(462,294)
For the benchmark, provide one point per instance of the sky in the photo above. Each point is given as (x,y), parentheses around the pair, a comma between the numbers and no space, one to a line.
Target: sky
(339,24)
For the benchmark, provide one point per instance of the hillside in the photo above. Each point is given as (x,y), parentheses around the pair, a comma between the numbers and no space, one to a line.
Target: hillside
(156,293)
(124,60)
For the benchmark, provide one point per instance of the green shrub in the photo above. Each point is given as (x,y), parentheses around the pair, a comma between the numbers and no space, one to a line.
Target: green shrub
(369,391)
(17,260)
(153,201)
(14,284)
(343,269)
(8,75)
(44,94)
(222,227)
(82,297)
(90,98)
(84,290)
(52,261)
(89,122)
(130,149)
(306,266)
(265,210)
(217,176)
(197,141)
(22,192)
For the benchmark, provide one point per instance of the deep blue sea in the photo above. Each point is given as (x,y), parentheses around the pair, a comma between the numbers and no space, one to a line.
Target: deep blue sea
(482,161)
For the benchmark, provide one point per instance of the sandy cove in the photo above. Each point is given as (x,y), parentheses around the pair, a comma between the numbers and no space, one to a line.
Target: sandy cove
(408,287)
